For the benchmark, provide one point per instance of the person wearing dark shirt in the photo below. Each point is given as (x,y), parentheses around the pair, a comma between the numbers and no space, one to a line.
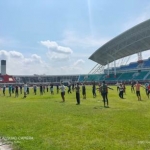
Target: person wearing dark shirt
(4,88)
(16,91)
(94,90)
(35,89)
(51,89)
(132,87)
(104,92)
(10,90)
(28,89)
(57,87)
(13,88)
(41,90)
(77,94)
(124,87)
(47,87)
(121,89)
(84,91)
(73,87)
(69,88)
(20,89)
(148,92)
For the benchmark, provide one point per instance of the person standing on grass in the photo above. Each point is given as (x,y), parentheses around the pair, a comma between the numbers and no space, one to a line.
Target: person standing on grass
(94,90)
(117,84)
(146,87)
(124,87)
(47,88)
(137,88)
(73,87)
(148,91)
(57,88)
(20,89)
(104,92)
(41,89)
(34,89)
(69,87)
(16,91)
(10,90)
(62,89)
(13,89)
(77,94)
(99,88)
(4,89)
(25,90)
(51,89)
(84,91)
(132,87)
(121,90)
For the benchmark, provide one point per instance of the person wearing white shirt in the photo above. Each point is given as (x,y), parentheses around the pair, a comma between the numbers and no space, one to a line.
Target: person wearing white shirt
(62,88)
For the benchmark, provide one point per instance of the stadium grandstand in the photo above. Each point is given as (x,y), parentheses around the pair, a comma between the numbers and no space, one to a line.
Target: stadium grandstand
(131,71)
(124,73)
(132,41)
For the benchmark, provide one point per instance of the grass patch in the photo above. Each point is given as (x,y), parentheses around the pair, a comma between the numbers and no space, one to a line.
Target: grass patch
(44,123)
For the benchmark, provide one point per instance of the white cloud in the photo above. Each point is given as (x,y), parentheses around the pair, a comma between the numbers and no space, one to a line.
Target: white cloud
(3,54)
(57,52)
(15,54)
(79,62)
(18,64)
(76,68)
(90,42)
(53,56)
(54,47)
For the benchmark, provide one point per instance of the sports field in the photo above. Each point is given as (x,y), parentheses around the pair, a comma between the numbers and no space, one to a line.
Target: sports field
(44,123)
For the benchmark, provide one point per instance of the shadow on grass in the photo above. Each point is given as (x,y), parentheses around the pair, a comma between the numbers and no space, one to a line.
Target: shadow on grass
(100,107)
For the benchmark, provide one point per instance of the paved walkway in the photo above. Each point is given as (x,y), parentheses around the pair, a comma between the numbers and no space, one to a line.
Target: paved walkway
(4,146)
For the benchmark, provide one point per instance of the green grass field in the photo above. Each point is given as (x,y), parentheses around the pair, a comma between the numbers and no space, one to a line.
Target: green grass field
(44,123)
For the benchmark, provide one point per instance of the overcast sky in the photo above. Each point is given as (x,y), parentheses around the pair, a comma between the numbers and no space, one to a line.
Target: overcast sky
(57,37)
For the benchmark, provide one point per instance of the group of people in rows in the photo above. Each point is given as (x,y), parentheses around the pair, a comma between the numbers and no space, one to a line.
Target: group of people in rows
(121,89)
(25,89)
(135,88)
(102,88)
